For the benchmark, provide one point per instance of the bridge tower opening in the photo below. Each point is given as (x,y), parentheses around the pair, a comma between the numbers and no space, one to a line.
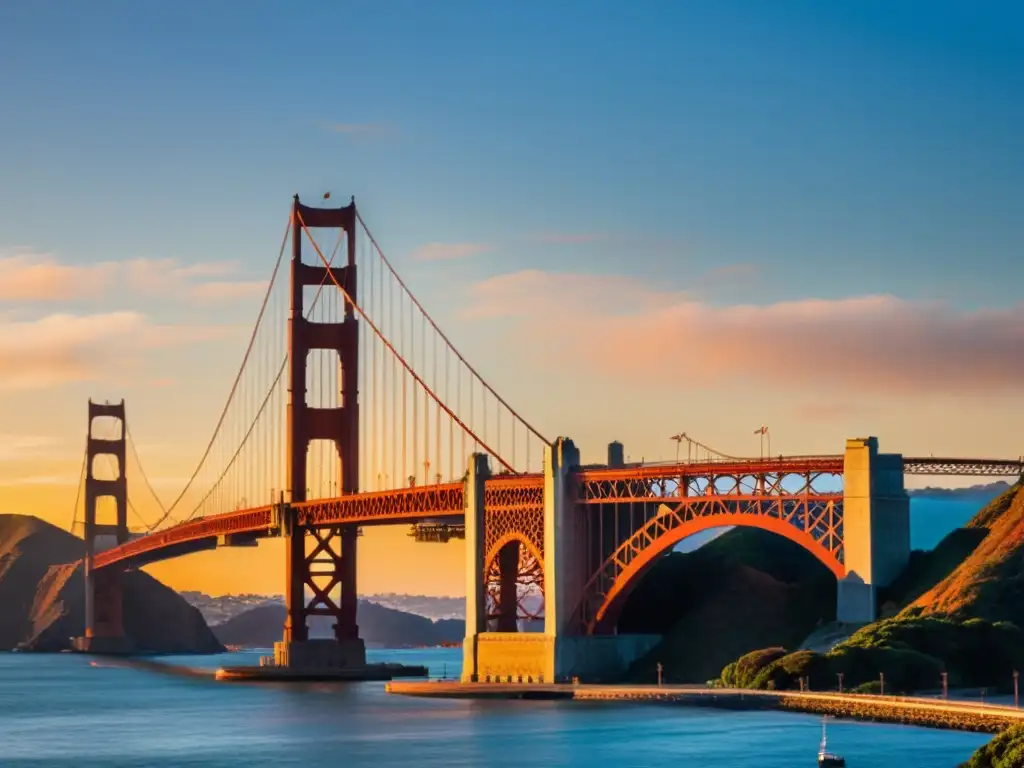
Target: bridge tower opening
(104,599)
(319,559)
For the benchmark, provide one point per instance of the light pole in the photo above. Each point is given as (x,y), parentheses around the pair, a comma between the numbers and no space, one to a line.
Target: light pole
(945,685)
(679,441)
(763,432)
(1016,698)
(840,676)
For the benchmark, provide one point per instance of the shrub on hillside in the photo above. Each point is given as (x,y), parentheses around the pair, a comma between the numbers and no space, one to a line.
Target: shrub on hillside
(742,672)
(1006,750)
(912,653)
(786,672)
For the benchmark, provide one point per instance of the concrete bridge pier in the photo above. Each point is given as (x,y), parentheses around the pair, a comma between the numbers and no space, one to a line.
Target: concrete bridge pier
(876,528)
(560,652)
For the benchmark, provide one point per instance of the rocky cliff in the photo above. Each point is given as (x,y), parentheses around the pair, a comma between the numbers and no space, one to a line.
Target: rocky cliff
(42,596)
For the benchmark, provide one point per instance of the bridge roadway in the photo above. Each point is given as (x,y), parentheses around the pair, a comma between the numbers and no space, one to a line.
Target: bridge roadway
(916,710)
(631,483)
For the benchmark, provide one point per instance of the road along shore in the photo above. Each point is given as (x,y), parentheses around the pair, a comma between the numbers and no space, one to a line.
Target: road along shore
(909,710)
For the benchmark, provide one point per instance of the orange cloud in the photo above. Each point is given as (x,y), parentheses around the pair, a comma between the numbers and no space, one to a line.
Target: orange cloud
(449,251)
(63,347)
(619,326)
(31,276)
(19,447)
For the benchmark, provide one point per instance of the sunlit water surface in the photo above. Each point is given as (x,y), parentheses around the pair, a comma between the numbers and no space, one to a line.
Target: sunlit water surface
(61,710)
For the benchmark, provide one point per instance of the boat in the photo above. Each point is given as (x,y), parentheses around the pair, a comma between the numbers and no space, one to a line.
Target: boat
(828,759)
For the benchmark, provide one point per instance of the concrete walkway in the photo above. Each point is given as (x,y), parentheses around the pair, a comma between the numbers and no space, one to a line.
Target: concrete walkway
(960,715)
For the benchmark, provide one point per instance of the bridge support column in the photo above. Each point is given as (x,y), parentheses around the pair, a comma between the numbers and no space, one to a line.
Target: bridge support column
(876,528)
(104,601)
(321,560)
(560,652)
(476,581)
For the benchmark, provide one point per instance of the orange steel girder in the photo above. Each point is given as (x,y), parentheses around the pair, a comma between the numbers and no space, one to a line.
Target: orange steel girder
(525,578)
(805,515)
(514,548)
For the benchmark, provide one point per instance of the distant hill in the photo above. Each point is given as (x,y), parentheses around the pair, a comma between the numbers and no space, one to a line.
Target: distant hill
(745,589)
(217,610)
(982,493)
(42,596)
(260,627)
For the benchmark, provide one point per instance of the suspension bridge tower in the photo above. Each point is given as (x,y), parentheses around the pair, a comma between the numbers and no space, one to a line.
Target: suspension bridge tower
(331,561)
(104,600)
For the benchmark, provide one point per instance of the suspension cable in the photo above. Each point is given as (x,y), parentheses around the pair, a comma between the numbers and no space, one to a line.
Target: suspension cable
(145,478)
(266,399)
(394,352)
(234,386)
(436,328)
(81,483)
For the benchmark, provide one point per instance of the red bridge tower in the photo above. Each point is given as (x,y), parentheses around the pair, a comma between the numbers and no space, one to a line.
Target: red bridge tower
(104,602)
(331,561)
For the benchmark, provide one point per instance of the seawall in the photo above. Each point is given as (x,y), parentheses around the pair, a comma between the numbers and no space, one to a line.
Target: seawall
(933,713)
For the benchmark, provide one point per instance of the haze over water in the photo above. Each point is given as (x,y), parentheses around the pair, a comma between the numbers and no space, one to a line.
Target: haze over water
(59,710)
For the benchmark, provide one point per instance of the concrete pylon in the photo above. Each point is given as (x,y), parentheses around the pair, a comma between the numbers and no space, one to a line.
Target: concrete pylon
(476,579)
(876,528)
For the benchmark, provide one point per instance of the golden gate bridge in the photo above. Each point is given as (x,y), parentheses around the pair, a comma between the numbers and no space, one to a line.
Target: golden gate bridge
(351,407)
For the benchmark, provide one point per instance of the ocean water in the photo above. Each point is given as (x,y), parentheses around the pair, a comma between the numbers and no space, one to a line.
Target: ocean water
(932,519)
(64,710)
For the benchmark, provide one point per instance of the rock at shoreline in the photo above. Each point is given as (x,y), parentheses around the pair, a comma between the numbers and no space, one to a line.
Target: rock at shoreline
(42,597)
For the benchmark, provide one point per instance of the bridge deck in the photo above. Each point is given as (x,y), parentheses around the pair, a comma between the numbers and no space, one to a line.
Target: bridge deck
(430,502)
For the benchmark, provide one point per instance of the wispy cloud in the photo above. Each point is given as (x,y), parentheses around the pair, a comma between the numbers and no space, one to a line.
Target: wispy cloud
(71,480)
(227,291)
(367,130)
(29,276)
(857,344)
(63,347)
(18,447)
(566,238)
(449,251)
(825,411)
(734,272)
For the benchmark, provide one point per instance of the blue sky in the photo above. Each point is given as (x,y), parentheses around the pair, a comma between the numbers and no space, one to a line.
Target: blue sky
(677,216)
(847,148)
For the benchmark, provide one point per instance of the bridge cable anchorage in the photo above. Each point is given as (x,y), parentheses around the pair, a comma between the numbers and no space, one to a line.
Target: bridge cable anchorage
(234,385)
(81,484)
(215,486)
(398,356)
(438,330)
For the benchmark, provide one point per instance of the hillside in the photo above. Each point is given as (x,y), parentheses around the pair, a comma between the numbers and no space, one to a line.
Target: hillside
(957,609)
(989,583)
(42,597)
(260,627)
(746,589)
